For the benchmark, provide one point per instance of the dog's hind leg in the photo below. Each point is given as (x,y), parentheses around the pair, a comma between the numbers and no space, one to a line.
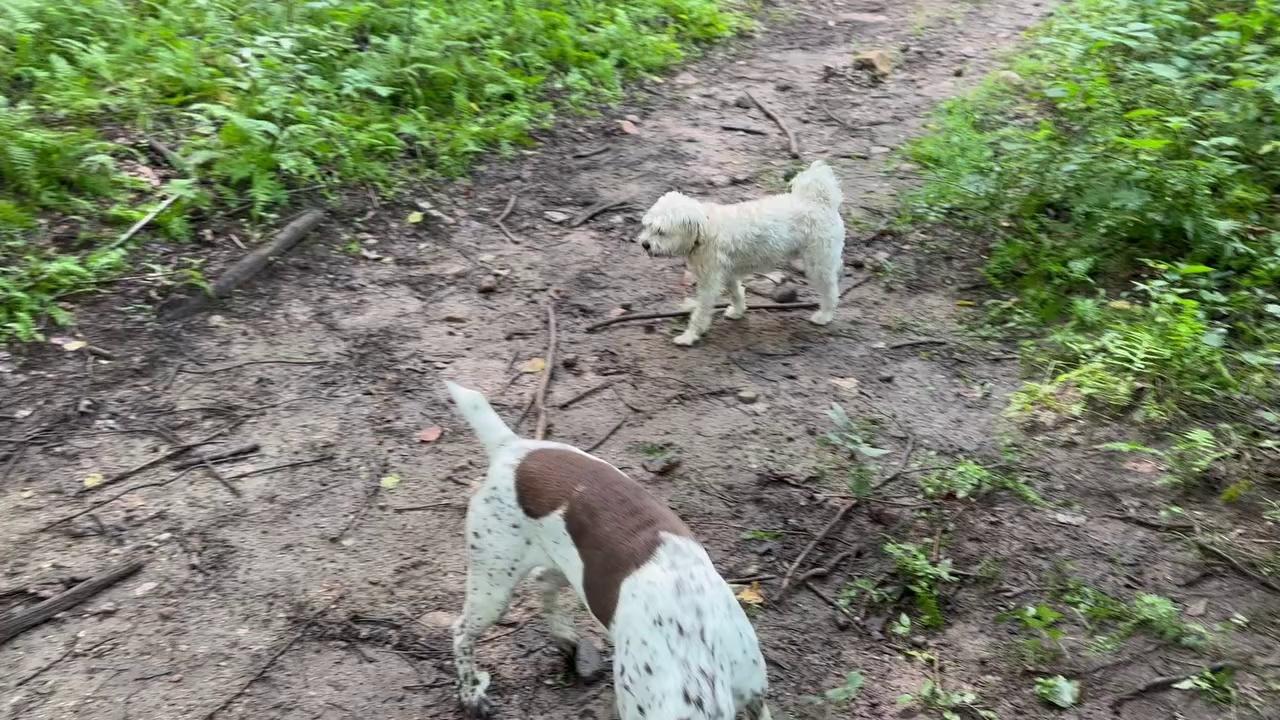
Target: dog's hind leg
(757,710)
(823,273)
(737,300)
(583,657)
(494,569)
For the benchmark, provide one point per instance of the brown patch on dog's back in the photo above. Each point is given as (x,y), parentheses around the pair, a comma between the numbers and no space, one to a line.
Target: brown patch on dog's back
(613,521)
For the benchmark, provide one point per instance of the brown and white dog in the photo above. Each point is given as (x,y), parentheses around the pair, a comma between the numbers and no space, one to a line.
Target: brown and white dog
(683,647)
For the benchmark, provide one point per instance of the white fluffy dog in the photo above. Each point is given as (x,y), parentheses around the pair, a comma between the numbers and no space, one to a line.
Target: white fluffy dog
(726,243)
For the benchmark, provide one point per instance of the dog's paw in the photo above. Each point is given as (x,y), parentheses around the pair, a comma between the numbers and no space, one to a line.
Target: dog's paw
(685,339)
(822,317)
(477,708)
(587,662)
(734,313)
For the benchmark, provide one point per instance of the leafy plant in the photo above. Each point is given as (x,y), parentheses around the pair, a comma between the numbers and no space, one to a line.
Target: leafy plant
(921,578)
(1042,621)
(1217,686)
(1058,691)
(1189,456)
(1112,620)
(947,704)
(853,683)
(1129,162)
(968,479)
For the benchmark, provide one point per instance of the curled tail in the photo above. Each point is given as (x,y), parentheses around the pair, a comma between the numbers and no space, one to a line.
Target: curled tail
(479,414)
(818,184)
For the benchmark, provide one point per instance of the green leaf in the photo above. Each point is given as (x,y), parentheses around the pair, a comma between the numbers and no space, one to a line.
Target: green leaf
(1058,691)
(390,482)
(852,686)
(1167,72)
(1194,269)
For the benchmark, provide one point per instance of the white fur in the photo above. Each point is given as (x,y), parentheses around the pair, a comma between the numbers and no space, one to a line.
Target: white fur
(683,647)
(726,243)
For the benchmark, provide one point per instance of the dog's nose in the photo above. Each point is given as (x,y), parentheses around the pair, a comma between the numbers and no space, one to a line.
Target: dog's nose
(644,244)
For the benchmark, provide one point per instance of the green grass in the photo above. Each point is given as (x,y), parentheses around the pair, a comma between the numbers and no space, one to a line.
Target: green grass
(261,98)
(1127,167)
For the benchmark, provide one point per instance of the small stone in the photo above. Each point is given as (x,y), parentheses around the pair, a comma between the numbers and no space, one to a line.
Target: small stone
(1197,608)
(958,72)
(784,294)
(145,588)
(569,362)
(743,101)
(633,119)
(662,465)
(885,377)
(878,61)
(456,318)
(628,127)
(858,262)
(556,216)
(880,150)
(783,86)
(686,78)
(588,664)
(720,181)
(487,285)
(748,396)
(919,641)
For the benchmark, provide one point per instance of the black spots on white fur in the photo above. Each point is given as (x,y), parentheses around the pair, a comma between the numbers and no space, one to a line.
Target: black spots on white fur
(679,629)
(640,710)
(648,669)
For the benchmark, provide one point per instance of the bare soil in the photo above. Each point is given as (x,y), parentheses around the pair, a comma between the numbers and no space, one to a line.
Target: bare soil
(336,357)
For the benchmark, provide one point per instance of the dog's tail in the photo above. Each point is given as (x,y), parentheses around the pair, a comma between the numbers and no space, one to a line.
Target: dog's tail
(479,414)
(818,184)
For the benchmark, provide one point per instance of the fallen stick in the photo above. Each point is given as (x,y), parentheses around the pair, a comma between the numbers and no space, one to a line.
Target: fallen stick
(608,434)
(232,454)
(1161,683)
(250,265)
(596,209)
(500,222)
(204,463)
(1236,565)
(540,397)
(844,510)
(913,343)
(184,371)
(174,160)
(274,657)
(792,146)
(586,393)
(591,153)
(744,129)
(108,501)
(19,623)
(181,449)
(719,306)
(429,506)
(832,602)
(146,220)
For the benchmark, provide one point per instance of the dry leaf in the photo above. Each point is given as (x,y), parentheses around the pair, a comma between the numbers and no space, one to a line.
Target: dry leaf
(534,365)
(751,595)
(390,481)
(93,480)
(414,218)
(431,434)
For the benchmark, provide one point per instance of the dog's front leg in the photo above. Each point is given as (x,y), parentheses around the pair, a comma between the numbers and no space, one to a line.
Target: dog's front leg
(705,306)
(737,300)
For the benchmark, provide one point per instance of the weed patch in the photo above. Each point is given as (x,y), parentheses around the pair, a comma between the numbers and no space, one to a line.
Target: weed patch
(259,99)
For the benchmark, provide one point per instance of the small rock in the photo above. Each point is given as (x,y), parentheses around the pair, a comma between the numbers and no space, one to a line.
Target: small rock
(880,150)
(885,377)
(556,216)
(857,262)
(958,72)
(841,622)
(1070,518)
(739,178)
(748,396)
(919,641)
(878,61)
(784,294)
(866,18)
(743,101)
(881,257)
(487,285)
(633,119)
(686,78)
(628,127)
(569,362)
(588,664)
(456,318)
(720,181)
(662,465)
(783,86)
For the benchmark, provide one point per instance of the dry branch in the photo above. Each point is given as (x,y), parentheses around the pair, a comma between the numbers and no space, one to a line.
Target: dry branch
(19,623)
(244,269)
(177,451)
(501,221)
(792,145)
(596,209)
(540,397)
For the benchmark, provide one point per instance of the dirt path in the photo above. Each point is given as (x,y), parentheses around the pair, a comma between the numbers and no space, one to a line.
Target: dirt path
(230,579)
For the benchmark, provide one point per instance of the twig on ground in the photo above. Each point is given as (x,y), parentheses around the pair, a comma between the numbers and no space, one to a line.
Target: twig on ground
(181,306)
(608,434)
(913,343)
(743,129)
(501,221)
(598,208)
(856,284)
(591,153)
(586,393)
(1236,565)
(113,498)
(174,160)
(792,146)
(146,220)
(183,370)
(274,657)
(375,486)
(540,397)
(750,579)
(19,623)
(234,453)
(844,510)
(429,506)
(1161,683)
(202,462)
(1148,523)
(274,468)
(177,451)
(832,602)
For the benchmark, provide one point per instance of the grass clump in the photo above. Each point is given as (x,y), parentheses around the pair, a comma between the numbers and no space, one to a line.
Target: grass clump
(1129,164)
(259,99)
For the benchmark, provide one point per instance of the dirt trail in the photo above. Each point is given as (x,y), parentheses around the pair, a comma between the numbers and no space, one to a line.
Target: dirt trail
(230,579)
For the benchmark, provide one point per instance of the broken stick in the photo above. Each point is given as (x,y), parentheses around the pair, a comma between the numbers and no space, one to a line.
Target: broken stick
(540,397)
(792,145)
(19,623)
(500,222)
(178,307)
(598,208)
